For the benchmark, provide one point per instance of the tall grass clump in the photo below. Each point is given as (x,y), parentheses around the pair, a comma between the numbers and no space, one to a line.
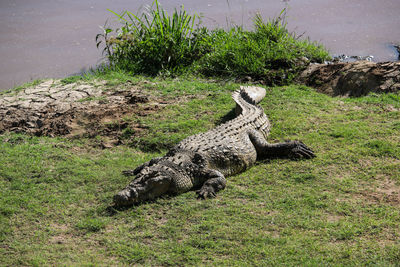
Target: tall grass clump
(152,42)
(156,42)
(269,53)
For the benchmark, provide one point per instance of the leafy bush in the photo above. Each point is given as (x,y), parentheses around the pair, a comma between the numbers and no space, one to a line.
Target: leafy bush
(156,42)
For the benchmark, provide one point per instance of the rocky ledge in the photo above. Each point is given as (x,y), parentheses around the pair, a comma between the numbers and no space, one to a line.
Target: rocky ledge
(353,78)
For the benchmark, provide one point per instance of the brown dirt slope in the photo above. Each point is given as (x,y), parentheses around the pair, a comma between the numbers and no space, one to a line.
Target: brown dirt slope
(73,110)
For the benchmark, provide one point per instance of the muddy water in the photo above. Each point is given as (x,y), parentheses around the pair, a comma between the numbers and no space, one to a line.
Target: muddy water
(55,38)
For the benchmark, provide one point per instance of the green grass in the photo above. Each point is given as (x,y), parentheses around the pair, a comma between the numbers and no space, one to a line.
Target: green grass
(156,43)
(71,79)
(341,208)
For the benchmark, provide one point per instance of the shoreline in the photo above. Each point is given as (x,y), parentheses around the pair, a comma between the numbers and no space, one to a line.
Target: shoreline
(39,41)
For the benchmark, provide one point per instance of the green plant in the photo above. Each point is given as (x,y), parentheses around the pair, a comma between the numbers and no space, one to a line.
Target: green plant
(269,53)
(71,79)
(152,42)
(156,43)
(91,224)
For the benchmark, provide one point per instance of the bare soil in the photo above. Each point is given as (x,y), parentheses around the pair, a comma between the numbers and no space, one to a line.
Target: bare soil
(74,110)
(387,191)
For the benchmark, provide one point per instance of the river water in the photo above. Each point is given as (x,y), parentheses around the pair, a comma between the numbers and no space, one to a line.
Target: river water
(55,38)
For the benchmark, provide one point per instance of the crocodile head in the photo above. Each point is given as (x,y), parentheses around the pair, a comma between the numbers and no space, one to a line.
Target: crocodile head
(150,183)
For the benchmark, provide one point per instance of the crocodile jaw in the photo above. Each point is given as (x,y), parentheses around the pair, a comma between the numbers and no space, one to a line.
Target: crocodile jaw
(126,197)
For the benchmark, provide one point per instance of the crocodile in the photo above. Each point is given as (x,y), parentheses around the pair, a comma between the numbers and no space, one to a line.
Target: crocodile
(202,161)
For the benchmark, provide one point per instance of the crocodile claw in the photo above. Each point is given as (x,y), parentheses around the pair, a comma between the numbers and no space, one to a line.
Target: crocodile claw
(206,192)
(302,151)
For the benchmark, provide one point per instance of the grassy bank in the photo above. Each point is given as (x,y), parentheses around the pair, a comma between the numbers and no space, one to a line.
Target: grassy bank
(156,43)
(341,208)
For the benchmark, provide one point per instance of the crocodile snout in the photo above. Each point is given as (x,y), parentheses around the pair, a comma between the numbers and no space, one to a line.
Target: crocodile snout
(126,197)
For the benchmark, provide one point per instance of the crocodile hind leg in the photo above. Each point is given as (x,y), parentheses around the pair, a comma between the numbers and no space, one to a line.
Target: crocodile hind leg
(289,149)
(215,181)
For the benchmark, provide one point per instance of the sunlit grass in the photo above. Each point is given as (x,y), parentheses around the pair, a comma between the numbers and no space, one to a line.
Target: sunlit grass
(341,208)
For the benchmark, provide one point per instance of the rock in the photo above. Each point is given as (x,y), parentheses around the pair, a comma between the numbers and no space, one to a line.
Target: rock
(397,47)
(353,78)
(10,99)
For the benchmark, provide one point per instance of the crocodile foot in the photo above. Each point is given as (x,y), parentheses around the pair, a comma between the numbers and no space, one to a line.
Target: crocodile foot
(212,185)
(300,150)
(206,192)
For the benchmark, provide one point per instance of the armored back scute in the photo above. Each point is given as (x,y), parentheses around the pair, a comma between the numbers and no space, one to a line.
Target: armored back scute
(203,160)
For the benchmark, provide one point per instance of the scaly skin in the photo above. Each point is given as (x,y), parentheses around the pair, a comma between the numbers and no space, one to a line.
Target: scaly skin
(203,161)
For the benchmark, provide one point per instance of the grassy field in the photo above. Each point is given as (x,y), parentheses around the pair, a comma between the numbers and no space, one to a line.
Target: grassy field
(341,208)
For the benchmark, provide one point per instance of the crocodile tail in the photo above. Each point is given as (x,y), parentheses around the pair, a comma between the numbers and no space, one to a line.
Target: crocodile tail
(247,98)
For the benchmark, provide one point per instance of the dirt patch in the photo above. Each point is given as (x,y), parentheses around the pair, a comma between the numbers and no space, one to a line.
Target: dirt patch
(332,218)
(75,110)
(353,78)
(61,235)
(387,191)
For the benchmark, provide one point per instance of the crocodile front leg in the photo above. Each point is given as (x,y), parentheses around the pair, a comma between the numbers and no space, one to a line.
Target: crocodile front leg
(215,181)
(289,149)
